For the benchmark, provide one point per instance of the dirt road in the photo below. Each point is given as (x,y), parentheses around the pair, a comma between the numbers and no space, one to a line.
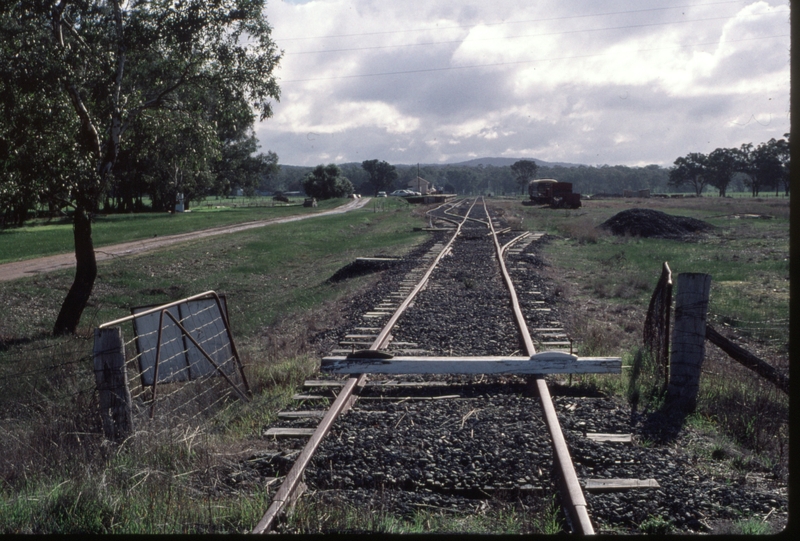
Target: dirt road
(20,269)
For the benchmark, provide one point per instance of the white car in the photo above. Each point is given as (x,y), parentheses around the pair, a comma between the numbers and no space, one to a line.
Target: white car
(399,193)
(381,194)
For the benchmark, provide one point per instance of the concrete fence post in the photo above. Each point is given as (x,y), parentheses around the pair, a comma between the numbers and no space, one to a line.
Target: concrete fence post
(112,383)
(688,340)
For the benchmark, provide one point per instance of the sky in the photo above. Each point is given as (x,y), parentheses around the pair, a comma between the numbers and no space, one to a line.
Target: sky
(618,82)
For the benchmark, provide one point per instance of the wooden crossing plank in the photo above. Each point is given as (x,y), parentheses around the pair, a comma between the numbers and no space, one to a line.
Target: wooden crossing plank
(542,363)
(359,344)
(408,384)
(322,383)
(389,398)
(599,437)
(307,414)
(614,485)
(375,383)
(290,432)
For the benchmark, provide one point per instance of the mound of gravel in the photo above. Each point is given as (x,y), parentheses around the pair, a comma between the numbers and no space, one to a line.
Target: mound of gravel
(654,224)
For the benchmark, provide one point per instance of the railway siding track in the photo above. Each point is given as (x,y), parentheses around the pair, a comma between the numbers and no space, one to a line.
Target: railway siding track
(481,305)
(457,443)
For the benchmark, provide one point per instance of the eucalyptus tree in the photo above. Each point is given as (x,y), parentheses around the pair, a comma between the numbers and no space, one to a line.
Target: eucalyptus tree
(691,169)
(765,165)
(105,64)
(721,164)
(327,182)
(381,174)
(783,153)
(524,171)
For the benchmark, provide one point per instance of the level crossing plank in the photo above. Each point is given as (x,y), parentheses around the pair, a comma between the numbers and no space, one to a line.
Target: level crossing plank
(598,437)
(614,485)
(304,414)
(323,383)
(290,432)
(542,363)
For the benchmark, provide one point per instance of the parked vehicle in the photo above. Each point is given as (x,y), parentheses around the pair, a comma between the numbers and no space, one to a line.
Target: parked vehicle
(549,191)
(381,194)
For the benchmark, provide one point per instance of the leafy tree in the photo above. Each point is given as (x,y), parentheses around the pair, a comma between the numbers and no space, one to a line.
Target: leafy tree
(381,174)
(763,166)
(691,169)
(783,153)
(463,179)
(102,66)
(721,164)
(524,171)
(327,182)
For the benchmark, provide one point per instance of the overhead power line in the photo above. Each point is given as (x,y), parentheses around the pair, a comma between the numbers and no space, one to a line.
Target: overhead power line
(542,34)
(518,62)
(543,19)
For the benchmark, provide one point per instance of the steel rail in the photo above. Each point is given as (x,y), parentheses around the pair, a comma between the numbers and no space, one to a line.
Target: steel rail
(571,492)
(512,242)
(287,493)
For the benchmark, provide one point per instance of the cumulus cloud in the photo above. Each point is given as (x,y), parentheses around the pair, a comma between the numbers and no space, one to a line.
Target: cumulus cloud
(441,81)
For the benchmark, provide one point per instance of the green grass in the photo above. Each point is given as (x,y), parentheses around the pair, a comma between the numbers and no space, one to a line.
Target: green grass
(752,526)
(319,515)
(47,237)
(171,477)
(609,280)
(747,259)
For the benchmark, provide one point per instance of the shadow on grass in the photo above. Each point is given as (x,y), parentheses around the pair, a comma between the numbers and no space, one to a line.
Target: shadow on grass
(7,343)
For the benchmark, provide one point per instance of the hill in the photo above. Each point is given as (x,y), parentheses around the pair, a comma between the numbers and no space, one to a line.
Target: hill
(507,162)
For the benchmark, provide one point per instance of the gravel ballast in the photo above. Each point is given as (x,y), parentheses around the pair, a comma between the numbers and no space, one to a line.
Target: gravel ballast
(487,441)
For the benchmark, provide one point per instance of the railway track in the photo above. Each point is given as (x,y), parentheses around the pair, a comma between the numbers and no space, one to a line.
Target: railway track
(456,439)
(484,332)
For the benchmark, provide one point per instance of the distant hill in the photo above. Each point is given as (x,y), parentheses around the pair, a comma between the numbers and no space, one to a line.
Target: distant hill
(494,162)
(503,162)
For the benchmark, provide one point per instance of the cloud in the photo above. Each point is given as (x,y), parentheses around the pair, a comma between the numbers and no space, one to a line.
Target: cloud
(569,80)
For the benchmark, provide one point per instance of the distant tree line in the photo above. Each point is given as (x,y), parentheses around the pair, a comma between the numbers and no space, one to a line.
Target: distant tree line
(761,167)
(749,167)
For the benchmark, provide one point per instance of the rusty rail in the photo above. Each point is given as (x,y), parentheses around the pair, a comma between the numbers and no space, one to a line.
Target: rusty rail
(292,485)
(570,488)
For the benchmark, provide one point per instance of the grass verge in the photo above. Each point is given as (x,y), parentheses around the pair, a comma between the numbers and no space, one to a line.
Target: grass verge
(608,281)
(173,475)
(43,237)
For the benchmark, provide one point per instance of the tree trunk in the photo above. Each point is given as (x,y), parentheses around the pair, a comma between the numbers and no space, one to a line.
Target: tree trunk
(85,274)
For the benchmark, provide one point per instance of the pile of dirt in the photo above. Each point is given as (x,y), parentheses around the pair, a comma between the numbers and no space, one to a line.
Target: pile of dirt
(654,224)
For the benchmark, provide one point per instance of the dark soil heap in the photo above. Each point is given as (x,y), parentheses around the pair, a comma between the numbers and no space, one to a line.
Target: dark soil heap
(654,224)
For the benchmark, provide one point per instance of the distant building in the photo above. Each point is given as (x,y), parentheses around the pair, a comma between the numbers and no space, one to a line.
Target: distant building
(420,185)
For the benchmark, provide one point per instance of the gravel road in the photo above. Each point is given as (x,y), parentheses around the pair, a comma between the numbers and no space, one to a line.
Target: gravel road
(28,267)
